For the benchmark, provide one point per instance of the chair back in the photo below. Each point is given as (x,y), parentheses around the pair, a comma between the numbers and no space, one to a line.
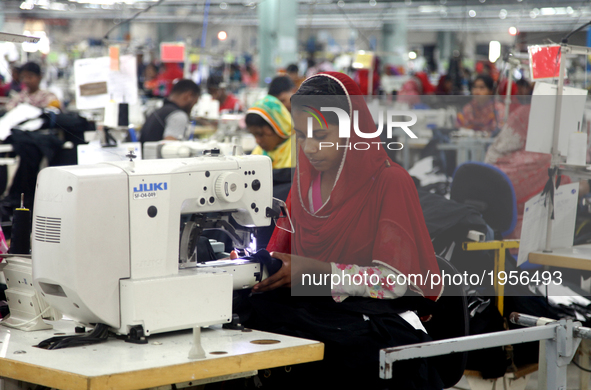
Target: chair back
(488,189)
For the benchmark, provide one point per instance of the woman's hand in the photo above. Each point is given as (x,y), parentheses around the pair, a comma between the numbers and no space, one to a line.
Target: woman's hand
(292,265)
(281,278)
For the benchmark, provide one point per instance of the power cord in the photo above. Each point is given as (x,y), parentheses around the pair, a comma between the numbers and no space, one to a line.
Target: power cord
(581,368)
(18,325)
(99,334)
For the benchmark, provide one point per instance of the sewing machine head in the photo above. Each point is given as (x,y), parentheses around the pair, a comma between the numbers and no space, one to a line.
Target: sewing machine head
(106,245)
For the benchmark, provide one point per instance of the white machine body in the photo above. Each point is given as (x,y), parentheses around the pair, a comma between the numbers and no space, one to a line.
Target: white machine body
(184,149)
(105,240)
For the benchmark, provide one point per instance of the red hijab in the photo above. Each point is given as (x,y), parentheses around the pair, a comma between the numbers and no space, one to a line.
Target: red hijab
(373,212)
(428,88)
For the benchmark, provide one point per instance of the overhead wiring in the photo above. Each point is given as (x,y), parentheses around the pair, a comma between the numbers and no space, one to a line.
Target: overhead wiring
(132,18)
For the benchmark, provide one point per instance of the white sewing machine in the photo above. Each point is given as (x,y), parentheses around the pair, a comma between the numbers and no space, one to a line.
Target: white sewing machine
(184,149)
(105,239)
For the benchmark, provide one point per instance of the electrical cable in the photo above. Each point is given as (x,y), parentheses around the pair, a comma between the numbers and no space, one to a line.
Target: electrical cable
(353,26)
(132,18)
(99,334)
(18,325)
(565,39)
(581,368)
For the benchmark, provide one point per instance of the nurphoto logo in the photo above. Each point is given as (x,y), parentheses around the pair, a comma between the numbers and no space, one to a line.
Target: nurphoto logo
(392,121)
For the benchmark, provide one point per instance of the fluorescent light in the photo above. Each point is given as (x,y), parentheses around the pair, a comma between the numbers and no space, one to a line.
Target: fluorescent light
(494,51)
(548,11)
(431,8)
(27,5)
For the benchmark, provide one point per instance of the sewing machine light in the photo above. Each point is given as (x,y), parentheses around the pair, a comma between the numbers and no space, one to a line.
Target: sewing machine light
(252,248)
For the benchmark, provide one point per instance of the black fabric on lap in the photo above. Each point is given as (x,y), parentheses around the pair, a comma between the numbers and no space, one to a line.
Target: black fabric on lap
(352,340)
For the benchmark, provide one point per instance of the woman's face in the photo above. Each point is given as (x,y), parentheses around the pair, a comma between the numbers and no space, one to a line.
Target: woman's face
(320,149)
(151,72)
(448,85)
(480,89)
(265,137)
(31,80)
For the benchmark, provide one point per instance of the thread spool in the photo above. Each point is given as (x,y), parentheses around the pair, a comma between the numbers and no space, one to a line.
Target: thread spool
(20,238)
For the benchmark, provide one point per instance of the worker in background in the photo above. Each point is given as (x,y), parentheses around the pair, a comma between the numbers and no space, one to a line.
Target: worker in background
(30,147)
(217,89)
(483,113)
(170,122)
(270,123)
(250,76)
(293,72)
(282,87)
(414,89)
(165,80)
(445,86)
(524,90)
(150,80)
(361,77)
(14,86)
(30,74)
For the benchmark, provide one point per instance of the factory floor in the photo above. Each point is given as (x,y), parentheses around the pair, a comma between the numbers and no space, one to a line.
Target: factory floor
(573,376)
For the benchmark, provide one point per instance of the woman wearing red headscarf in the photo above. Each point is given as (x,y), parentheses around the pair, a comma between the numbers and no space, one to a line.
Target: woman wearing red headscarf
(354,212)
(483,113)
(417,85)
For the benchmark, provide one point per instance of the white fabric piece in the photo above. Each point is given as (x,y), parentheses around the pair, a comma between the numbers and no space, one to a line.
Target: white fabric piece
(413,319)
(30,125)
(17,115)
